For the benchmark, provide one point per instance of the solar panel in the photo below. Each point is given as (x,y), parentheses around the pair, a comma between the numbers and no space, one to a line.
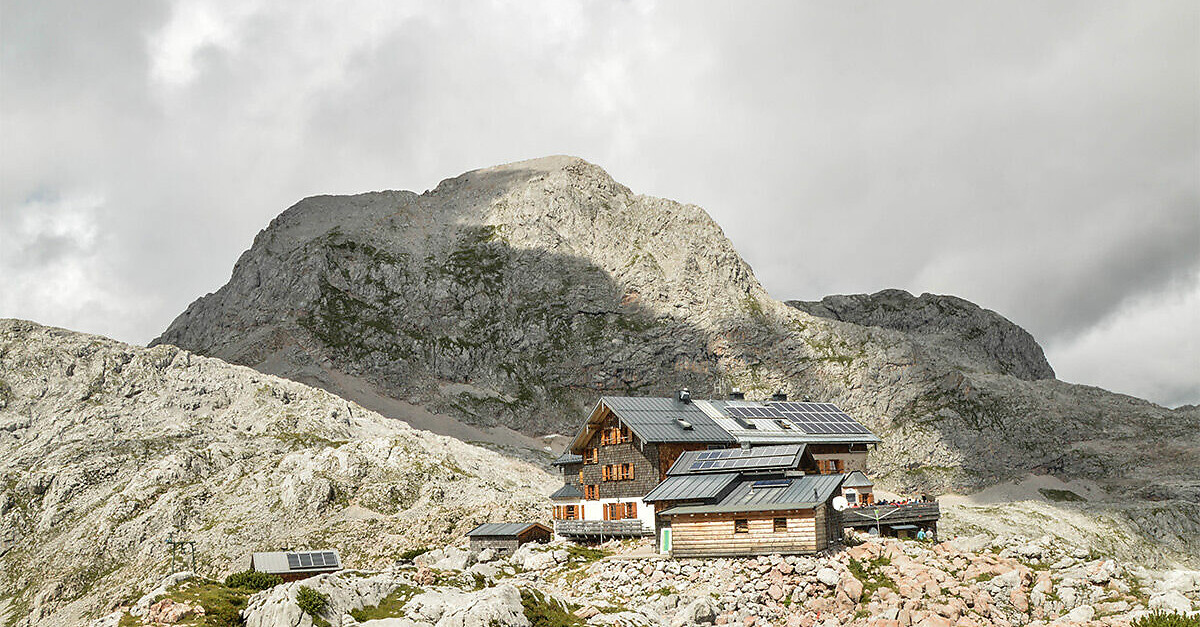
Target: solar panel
(818,418)
(315,559)
(746,459)
(771,483)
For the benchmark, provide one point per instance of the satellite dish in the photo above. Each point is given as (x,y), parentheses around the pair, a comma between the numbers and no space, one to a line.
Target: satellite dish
(840,503)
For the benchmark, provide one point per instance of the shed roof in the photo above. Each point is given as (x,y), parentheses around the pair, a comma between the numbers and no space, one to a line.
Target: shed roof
(282,562)
(690,487)
(568,491)
(567,458)
(857,479)
(778,457)
(751,495)
(504,529)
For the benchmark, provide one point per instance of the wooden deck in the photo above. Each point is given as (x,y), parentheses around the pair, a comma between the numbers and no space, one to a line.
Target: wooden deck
(602,528)
(887,515)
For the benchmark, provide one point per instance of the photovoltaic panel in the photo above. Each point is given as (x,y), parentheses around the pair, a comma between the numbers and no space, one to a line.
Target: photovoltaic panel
(819,418)
(745,459)
(315,559)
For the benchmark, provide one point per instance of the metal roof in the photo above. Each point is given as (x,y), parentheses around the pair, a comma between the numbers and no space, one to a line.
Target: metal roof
(776,430)
(504,529)
(567,458)
(690,487)
(805,492)
(655,419)
(281,562)
(786,456)
(857,479)
(568,491)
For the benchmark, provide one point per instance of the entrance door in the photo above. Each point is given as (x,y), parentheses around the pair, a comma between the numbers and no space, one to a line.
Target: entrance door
(664,540)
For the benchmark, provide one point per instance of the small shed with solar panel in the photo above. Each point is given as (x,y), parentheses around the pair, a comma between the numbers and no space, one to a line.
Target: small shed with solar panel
(296,565)
(504,538)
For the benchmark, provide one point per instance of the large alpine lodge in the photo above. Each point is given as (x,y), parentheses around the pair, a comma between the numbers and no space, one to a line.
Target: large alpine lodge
(716,477)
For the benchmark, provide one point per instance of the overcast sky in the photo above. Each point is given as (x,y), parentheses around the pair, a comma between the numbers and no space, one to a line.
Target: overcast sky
(1040,159)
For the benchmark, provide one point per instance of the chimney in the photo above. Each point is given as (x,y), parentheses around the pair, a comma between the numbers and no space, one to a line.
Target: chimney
(685,396)
(779,396)
(737,395)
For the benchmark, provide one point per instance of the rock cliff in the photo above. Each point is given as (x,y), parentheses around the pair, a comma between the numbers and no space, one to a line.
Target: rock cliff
(961,332)
(515,294)
(105,448)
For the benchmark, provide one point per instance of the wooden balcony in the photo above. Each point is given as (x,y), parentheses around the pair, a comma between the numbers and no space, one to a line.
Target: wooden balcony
(601,528)
(888,515)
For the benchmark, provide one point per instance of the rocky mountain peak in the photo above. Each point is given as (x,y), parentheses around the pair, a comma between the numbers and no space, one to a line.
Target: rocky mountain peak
(972,337)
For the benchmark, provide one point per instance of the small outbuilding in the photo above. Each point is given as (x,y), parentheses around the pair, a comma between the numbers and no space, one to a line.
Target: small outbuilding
(296,565)
(858,489)
(506,537)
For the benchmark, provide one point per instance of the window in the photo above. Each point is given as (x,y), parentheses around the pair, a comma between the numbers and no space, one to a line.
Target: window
(851,497)
(620,511)
(780,525)
(591,492)
(591,455)
(741,525)
(616,472)
(829,466)
(580,476)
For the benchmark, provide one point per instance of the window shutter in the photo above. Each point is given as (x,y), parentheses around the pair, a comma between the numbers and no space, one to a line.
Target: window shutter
(631,510)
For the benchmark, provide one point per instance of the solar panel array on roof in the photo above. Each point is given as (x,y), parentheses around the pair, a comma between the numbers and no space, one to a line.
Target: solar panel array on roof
(321,559)
(810,417)
(745,458)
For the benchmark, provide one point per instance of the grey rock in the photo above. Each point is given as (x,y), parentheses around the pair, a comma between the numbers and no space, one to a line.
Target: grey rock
(828,576)
(1171,601)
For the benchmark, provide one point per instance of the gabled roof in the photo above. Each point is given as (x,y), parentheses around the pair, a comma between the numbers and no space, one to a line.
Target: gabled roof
(567,458)
(655,420)
(568,491)
(691,487)
(504,529)
(857,479)
(760,458)
(755,495)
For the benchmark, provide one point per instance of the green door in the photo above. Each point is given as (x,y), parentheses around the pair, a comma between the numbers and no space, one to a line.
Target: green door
(664,541)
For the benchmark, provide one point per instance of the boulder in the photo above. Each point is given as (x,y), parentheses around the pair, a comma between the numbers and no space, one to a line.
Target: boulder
(1082,614)
(1171,601)
(539,561)
(828,576)
(702,611)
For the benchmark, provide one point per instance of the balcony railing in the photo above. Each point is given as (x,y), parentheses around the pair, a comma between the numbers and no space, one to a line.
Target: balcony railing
(605,528)
(890,514)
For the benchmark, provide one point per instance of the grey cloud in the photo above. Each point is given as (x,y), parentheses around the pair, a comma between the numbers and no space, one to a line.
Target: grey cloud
(1038,158)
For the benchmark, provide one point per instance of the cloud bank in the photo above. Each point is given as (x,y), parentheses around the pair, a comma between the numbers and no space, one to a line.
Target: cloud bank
(1040,159)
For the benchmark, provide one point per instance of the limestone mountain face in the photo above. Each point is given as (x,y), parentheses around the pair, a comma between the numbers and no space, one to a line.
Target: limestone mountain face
(106,447)
(967,335)
(515,295)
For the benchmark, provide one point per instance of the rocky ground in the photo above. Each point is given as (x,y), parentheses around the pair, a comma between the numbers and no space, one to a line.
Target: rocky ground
(105,448)
(966,581)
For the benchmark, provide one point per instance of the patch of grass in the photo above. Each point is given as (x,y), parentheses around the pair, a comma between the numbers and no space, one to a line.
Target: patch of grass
(982,577)
(543,612)
(391,606)
(412,554)
(1061,496)
(222,604)
(1159,618)
(871,575)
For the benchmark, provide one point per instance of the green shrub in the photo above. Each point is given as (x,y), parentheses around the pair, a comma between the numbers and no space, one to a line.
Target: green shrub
(253,580)
(1160,618)
(412,554)
(542,612)
(312,602)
